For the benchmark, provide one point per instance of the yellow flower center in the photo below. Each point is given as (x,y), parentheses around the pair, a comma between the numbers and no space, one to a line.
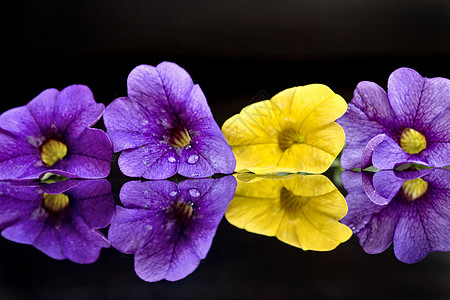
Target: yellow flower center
(289,137)
(52,151)
(179,137)
(412,141)
(55,203)
(291,203)
(413,189)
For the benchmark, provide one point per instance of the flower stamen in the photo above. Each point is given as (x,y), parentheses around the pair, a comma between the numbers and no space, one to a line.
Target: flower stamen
(52,151)
(414,188)
(412,141)
(290,202)
(54,203)
(289,137)
(179,137)
(182,212)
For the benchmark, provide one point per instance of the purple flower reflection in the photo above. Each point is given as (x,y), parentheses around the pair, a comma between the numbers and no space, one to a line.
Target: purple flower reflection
(165,127)
(415,216)
(408,124)
(59,219)
(168,227)
(52,134)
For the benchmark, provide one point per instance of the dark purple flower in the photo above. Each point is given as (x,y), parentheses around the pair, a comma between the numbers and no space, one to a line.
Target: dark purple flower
(59,219)
(408,124)
(168,227)
(165,126)
(51,134)
(413,211)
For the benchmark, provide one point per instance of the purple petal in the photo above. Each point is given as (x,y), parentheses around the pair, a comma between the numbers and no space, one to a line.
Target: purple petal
(131,229)
(387,185)
(94,204)
(26,230)
(371,99)
(434,99)
(88,156)
(439,128)
(130,125)
(373,224)
(21,122)
(359,130)
(18,158)
(366,159)
(424,226)
(149,161)
(405,87)
(388,155)
(75,110)
(208,153)
(153,195)
(80,243)
(17,203)
(48,242)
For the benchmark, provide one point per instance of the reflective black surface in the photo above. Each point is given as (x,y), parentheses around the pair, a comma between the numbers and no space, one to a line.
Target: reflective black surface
(239,54)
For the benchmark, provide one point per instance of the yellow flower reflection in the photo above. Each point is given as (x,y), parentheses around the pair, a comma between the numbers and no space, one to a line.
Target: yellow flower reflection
(293,132)
(300,210)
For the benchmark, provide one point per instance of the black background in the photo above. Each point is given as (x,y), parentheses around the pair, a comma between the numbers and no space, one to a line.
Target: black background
(239,53)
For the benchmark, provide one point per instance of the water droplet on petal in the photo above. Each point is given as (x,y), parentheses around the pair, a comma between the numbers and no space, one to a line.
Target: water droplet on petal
(194,192)
(146,159)
(171,159)
(188,147)
(173,193)
(193,159)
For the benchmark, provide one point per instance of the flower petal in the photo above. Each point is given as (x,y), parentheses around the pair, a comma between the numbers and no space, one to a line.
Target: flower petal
(306,218)
(48,242)
(150,161)
(129,125)
(405,88)
(75,110)
(316,154)
(308,107)
(89,156)
(434,99)
(18,158)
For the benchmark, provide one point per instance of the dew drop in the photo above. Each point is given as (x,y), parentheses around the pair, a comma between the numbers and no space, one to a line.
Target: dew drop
(188,147)
(194,193)
(171,159)
(193,159)
(173,193)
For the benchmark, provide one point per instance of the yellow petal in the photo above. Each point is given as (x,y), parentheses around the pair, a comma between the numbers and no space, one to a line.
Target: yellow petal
(301,210)
(255,124)
(293,132)
(308,106)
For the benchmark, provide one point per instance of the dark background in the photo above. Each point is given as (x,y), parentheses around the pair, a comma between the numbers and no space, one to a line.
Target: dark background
(239,53)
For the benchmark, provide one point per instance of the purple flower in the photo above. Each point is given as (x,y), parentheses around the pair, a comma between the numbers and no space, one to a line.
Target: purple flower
(413,211)
(408,124)
(168,227)
(165,126)
(51,134)
(59,219)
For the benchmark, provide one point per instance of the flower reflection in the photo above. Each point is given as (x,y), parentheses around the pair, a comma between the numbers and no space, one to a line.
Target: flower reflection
(59,219)
(169,227)
(409,209)
(300,210)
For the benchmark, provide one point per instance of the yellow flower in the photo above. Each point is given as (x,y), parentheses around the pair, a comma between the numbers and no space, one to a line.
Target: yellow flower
(293,132)
(300,210)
